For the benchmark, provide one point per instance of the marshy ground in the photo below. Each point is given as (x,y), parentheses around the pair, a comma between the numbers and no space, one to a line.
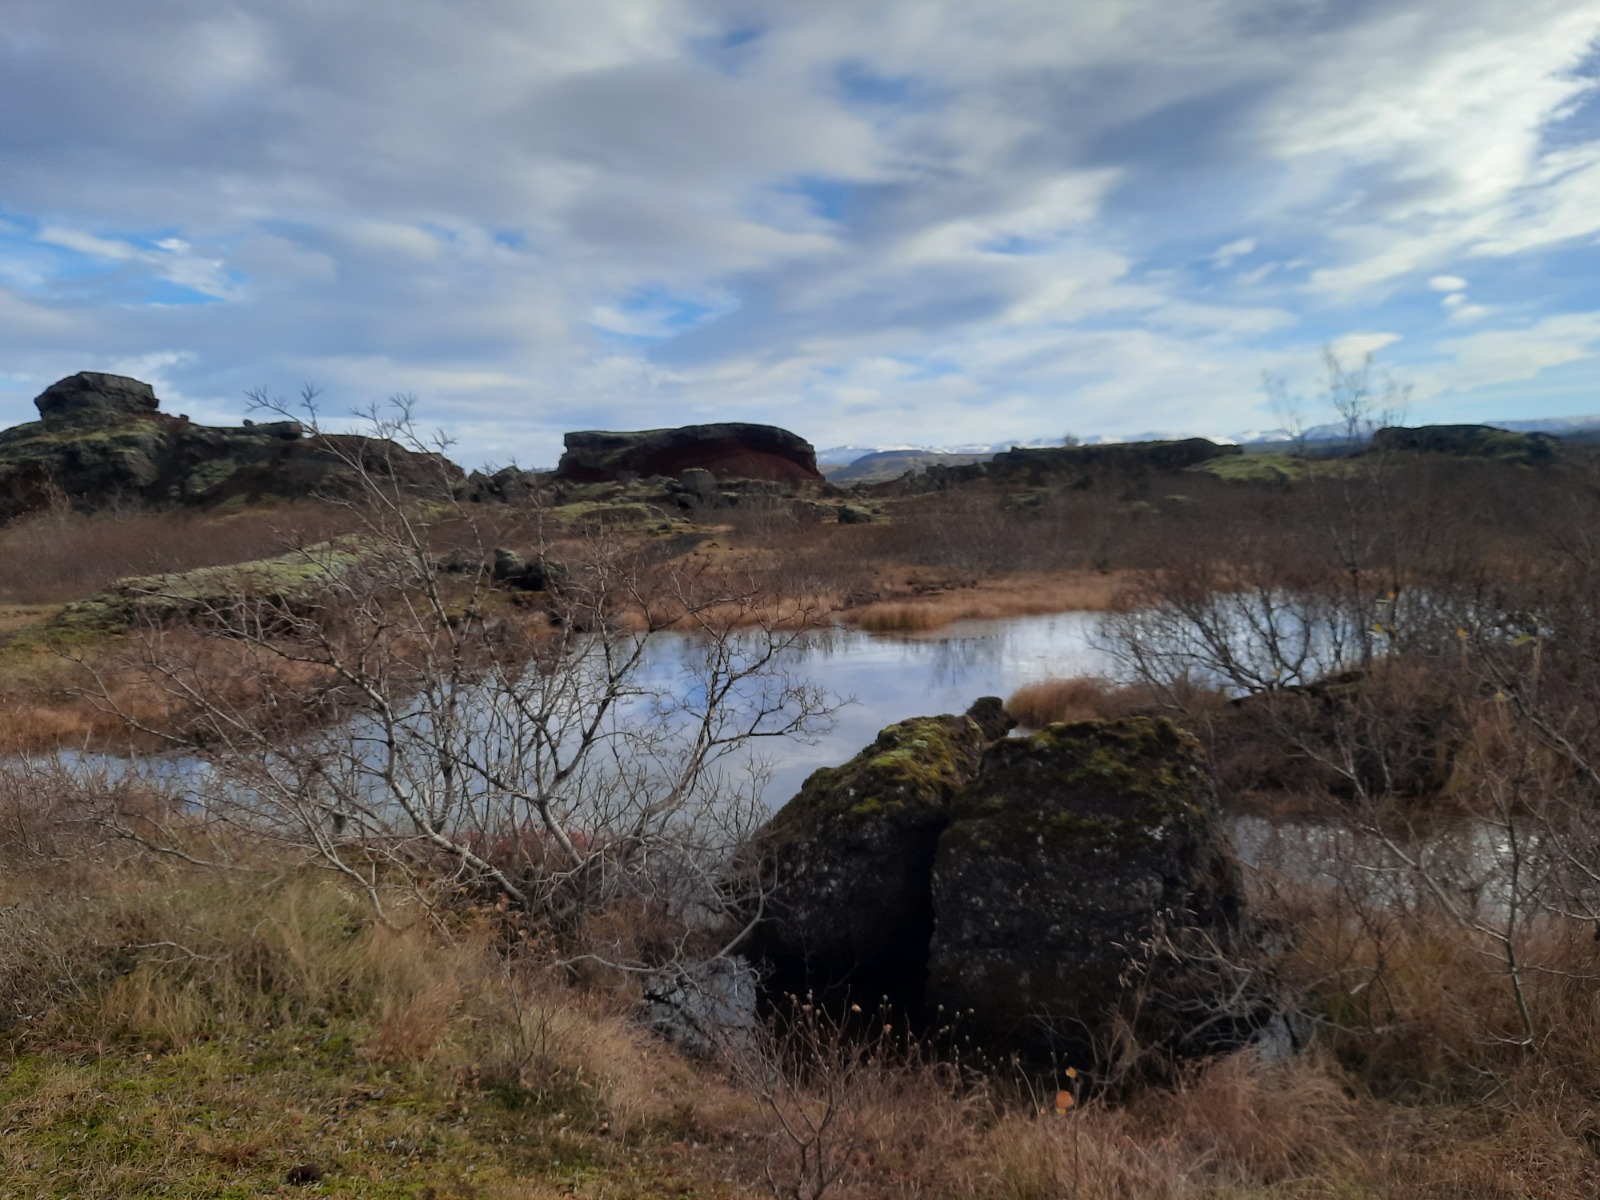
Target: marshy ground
(176,1028)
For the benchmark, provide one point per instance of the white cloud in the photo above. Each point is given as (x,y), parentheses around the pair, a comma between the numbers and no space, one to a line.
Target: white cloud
(1353,347)
(1225,256)
(1513,355)
(863,215)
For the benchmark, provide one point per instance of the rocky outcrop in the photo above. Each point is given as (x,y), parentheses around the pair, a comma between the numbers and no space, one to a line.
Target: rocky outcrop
(1046,887)
(1468,441)
(1072,466)
(1042,464)
(727,450)
(90,397)
(102,439)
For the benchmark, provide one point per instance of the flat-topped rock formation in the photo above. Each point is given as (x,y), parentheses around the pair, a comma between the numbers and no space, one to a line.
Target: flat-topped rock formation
(1468,441)
(102,439)
(728,450)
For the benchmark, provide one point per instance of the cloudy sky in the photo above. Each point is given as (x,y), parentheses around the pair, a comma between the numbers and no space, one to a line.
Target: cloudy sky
(936,221)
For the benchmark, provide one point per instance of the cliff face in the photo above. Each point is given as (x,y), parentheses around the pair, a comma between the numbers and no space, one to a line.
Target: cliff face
(101,439)
(727,450)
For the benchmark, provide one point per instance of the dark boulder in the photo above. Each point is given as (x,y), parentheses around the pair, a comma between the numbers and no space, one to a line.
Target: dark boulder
(730,450)
(90,396)
(513,571)
(1052,888)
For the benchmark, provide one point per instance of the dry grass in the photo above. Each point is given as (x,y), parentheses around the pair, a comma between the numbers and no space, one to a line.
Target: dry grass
(205,1032)
(991,599)
(54,557)
(1036,705)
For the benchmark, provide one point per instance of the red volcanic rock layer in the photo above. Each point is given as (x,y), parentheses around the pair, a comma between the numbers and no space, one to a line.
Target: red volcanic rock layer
(727,450)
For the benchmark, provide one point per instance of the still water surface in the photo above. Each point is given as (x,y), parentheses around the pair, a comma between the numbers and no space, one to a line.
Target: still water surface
(887,679)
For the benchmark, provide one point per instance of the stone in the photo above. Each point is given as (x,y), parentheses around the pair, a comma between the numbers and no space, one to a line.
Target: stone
(1050,888)
(92,396)
(847,864)
(102,439)
(523,575)
(729,450)
(698,482)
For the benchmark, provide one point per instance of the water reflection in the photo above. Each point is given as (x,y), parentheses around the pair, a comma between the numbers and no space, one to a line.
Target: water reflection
(887,679)
(879,679)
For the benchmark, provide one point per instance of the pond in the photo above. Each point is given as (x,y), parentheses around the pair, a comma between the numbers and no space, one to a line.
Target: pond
(877,680)
(885,679)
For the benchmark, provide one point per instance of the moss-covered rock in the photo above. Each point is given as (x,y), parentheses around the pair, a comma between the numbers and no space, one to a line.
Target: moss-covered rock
(1469,441)
(1030,883)
(288,581)
(1071,852)
(848,862)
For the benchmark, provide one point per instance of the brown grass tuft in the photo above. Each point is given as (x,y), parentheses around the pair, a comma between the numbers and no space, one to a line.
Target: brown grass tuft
(1083,698)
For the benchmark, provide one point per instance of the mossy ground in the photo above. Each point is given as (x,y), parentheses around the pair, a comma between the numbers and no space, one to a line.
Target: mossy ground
(218,1034)
(1281,469)
(234,1116)
(284,578)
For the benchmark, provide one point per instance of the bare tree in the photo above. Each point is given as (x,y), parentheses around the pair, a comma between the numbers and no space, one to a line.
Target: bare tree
(584,753)
(1363,404)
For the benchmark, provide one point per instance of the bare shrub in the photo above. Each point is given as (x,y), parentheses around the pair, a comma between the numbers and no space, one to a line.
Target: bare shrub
(418,734)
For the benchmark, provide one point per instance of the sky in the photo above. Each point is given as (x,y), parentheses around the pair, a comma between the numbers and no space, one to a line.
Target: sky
(873,222)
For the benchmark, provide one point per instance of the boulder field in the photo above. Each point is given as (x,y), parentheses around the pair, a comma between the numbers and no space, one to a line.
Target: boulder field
(1053,889)
(103,438)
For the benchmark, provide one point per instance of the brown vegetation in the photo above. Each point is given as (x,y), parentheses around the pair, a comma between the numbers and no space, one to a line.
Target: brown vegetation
(189,1004)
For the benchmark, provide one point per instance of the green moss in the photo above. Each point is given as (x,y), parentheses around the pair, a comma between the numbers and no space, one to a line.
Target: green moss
(915,765)
(1277,469)
(208,475)
(1136,772)
(285,579)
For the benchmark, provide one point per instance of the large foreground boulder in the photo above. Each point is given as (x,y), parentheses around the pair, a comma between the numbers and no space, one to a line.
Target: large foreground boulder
(730,450)
(102,439)
(1052,889)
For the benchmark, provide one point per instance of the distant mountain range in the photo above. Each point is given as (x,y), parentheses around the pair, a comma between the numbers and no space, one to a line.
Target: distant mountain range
(841,456)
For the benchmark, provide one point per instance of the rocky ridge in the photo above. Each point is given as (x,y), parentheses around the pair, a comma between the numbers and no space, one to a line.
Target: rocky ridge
(103,439)
(730,449)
